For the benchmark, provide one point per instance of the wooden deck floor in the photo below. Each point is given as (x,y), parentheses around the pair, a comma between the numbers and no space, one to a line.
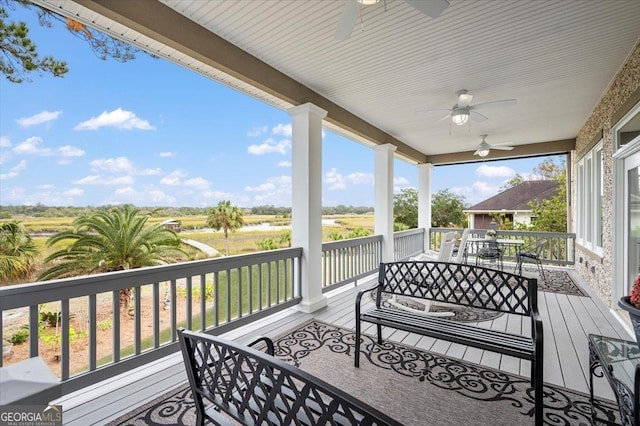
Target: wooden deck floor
(567,322)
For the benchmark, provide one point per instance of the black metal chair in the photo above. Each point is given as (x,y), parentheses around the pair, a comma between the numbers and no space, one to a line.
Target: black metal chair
(489,251)
(533,254)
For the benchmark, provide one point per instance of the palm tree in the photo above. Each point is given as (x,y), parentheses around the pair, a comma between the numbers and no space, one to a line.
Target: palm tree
(114,240)
(17,251)
(225,217)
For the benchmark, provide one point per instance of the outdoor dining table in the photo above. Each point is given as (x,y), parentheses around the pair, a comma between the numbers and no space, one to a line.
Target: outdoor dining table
(505,244)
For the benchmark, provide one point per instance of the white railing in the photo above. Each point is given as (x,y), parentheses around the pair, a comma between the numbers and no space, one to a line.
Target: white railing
(408,243)
(560,247)
(347,261)
(213,294)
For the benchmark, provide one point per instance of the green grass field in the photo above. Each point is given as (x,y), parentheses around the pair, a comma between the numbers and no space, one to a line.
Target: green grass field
(240,242)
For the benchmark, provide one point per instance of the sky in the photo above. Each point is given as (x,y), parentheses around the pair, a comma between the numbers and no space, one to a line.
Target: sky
(151,133)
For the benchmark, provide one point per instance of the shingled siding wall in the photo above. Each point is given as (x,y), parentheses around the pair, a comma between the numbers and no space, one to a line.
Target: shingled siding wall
(596,270)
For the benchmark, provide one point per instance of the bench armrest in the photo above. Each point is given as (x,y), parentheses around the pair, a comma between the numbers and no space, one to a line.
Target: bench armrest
(359,298)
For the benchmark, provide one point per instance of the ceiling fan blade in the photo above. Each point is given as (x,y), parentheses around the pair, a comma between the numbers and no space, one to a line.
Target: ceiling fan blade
(476,116)
(446,117)
(348,19)
(495,104)
(502,147)
(431,8)
(464,99)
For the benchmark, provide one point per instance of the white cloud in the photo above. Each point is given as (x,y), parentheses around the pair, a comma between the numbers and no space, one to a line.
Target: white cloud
(257,131)
(335,180)
(148,196)
(173,178)
(282,129)
(284,163)
(197,182)
(267,186)
(73,192)
(14,171)
(32,146)
(121,165)
(476,192)
(113,165)
(70,151)
(106,181)
(39,118)
(269,146)
(360,178)
(495,171)
(165,154)
(119,118)
(4,142)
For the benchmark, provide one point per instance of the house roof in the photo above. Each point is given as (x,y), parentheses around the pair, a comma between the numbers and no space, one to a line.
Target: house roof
(517,198)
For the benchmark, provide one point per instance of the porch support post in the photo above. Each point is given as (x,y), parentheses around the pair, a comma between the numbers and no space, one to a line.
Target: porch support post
(424,201)
(384,198)
(306,210)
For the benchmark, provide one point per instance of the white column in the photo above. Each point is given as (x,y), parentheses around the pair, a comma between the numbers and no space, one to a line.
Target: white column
(384,198)
(306,211)
(424,200)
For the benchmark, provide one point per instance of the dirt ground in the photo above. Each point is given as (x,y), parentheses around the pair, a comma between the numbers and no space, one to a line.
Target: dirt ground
(49,351)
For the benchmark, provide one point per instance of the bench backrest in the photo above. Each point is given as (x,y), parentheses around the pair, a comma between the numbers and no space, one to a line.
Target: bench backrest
(460,284)
(254,387)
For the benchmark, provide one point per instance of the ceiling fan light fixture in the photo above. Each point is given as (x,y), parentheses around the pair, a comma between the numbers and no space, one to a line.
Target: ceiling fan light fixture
(367,2)
(483,152)
(459,116)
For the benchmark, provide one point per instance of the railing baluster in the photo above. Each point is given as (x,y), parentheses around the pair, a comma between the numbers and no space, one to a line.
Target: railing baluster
(115,304)
(260,293)
(156,314)
(137,317)
(239,281)
(250,288)
(203,302)
(64,341)
(174,312)
(34,331)
(93,332)
(216,298)
(189,301)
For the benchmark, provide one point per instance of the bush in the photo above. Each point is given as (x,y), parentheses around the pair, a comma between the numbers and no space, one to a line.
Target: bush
(20,336)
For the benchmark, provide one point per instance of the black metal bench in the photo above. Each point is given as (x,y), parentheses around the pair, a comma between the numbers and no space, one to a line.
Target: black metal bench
(237,384)
(459,284)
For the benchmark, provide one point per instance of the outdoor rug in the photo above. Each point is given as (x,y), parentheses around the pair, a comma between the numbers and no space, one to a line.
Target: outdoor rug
(413,386)
(557,281)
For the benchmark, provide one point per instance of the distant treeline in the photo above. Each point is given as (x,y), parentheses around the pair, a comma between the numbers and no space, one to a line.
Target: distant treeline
(40,210)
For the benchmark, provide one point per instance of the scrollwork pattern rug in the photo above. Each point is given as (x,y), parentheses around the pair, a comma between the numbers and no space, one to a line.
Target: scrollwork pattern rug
(411,385)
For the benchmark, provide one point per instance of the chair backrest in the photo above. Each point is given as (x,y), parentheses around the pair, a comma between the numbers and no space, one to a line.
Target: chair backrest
(446,247)
(462,246)
(540,245)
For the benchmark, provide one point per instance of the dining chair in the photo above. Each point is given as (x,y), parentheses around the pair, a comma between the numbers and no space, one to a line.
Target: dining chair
(489,251)
(533,254)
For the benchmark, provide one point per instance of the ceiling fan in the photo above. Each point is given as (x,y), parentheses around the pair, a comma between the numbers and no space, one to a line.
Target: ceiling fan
(484,147)
(463,109)
(351,13)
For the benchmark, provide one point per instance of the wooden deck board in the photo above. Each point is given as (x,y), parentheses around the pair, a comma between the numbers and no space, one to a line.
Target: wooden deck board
(567,322)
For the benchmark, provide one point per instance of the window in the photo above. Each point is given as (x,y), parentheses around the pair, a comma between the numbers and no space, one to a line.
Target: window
(589,200)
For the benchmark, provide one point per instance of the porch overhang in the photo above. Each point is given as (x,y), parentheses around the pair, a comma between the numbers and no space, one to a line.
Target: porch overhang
(382,84)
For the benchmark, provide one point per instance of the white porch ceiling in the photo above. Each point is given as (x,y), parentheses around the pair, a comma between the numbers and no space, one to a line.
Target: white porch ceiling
(556,57)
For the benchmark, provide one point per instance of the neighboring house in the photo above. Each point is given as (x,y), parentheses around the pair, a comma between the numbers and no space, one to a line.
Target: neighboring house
(513,203)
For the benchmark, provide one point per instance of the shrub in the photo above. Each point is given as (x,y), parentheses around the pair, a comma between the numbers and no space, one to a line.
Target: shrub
(20,336)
